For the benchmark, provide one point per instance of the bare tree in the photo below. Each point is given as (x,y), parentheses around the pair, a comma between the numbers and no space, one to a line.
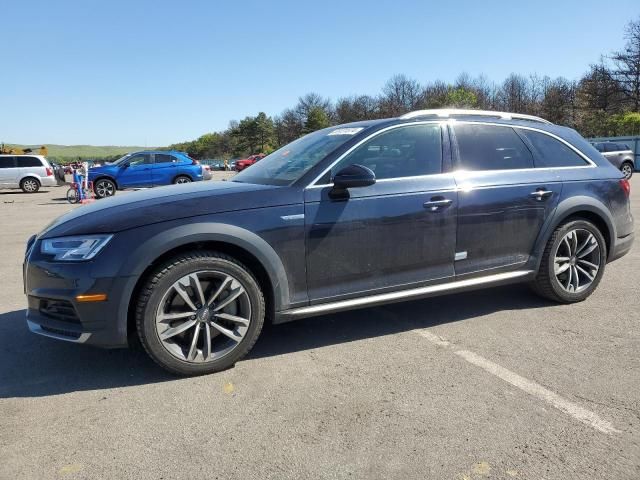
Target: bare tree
(627,65)
(357,107)
(400,94)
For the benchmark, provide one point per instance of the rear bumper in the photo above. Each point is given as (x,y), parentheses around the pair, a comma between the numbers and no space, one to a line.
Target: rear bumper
(48,181)
(621,247)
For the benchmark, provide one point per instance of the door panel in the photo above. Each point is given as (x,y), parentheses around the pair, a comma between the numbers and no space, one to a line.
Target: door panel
(503,200)
(500,215)
(138,173)
(164,170)
(381,237)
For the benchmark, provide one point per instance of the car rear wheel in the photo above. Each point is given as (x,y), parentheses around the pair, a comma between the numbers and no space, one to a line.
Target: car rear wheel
(627,170)
(30,185)
(573,263)
(182,179)
(199,313)
(104,188)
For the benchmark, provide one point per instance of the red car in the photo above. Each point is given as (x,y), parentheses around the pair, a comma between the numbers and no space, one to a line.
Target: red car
(247,162)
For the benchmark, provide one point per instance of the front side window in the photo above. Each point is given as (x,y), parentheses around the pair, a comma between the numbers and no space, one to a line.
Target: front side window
(7,162)
(164,158)
(140,159)
(406,151)
(599,147)
(490,147)
(29,162)
(551,152)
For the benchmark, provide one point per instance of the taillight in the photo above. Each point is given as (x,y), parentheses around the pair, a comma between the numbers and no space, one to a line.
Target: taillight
(626,186)
(49,172)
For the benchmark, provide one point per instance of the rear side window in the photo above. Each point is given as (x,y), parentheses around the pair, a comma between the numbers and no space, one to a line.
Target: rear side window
(489,147)
(164,158)
(551,152)
(29,162)
(7,162)
(599,147)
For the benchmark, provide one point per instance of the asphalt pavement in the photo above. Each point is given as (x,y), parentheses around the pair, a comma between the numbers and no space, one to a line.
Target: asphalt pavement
(496,383)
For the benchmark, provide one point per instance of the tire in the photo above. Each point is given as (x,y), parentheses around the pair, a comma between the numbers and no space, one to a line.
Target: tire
(30,185)
(104,187)
(627,170)
(578,280)
(160,303)
(181,179)
(72,196)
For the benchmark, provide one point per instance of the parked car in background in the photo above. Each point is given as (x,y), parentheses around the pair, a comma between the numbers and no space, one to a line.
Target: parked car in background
(144,169)
(206,172)
(346,217)
(619,154)
(247,162)
(28,172)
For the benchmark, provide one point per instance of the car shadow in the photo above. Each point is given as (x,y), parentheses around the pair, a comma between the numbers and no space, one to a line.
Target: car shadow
(34,366)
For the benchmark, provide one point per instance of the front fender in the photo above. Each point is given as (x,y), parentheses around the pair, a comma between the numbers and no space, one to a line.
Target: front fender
(160,240)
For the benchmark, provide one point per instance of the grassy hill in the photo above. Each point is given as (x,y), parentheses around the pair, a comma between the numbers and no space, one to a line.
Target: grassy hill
(72,152)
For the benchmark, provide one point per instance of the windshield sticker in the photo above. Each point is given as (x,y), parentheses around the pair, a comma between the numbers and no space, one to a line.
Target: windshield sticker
(345,131)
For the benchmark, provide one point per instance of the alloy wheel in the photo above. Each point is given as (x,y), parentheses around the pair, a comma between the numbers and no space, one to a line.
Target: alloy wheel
(577,260)
(105,189)
(30,185)
(627,171)
(203,316)
(183,180)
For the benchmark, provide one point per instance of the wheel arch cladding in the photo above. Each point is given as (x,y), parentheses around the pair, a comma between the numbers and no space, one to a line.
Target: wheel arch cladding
(584,207)
(247,247)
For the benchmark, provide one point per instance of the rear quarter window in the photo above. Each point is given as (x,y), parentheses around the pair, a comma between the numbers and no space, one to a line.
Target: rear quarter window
(7,162)
(29,162)
(551,152)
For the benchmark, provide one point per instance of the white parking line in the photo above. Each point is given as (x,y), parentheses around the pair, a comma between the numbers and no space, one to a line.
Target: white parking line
(532,388)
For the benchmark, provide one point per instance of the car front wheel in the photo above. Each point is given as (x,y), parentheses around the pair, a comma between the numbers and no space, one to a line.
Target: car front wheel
(104,188)
(627,170)
(199,313)
(573,262)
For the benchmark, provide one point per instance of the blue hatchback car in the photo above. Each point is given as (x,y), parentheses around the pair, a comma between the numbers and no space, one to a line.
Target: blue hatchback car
(144,169)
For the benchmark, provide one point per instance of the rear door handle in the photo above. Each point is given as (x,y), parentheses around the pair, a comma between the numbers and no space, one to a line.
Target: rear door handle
(437,203)
(541,194)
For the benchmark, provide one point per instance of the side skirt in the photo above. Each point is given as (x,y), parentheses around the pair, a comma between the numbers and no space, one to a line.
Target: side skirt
(402,295)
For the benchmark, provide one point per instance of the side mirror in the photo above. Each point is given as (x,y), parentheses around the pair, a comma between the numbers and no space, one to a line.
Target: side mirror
(354,176)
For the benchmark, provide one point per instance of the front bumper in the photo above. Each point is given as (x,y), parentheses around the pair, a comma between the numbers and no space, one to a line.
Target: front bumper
(54,311)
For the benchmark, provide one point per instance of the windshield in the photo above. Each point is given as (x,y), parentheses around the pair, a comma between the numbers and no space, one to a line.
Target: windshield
(289,163)
(120,160)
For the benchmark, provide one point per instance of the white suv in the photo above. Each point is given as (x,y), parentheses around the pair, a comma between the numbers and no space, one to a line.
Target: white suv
(28,172)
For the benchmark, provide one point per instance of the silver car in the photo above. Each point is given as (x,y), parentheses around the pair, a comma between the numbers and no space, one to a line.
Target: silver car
(619,154)
(28,172)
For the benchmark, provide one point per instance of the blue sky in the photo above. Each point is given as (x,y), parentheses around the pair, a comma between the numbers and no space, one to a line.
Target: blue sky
(156,72)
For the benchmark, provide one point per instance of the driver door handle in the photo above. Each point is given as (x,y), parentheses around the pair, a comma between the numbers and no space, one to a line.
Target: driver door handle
(437,203)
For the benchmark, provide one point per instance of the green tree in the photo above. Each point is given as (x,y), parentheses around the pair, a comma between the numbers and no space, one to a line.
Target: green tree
(317,119)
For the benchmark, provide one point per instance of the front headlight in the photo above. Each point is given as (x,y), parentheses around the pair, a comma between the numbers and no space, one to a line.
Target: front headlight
(82,247)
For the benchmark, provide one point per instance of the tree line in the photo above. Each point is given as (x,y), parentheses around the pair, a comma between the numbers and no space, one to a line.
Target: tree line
(605,101)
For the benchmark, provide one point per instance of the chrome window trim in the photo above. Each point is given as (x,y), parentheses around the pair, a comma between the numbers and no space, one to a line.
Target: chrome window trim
(590,163)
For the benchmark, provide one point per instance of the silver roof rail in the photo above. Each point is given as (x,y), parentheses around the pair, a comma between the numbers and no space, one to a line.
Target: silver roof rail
(448,112)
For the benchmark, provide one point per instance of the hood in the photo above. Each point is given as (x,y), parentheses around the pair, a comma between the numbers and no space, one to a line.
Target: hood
(161,204)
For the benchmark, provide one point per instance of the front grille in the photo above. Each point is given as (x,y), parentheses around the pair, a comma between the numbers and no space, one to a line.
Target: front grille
(58,331)
(60,310)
